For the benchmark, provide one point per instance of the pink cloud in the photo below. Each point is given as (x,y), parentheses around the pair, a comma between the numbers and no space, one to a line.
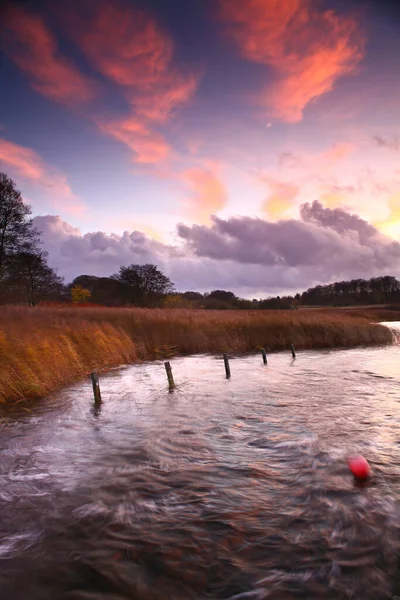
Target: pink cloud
(32,46)
(129,47)
(124,44)
(207,192)
(308,49)
(147,145)
(172,93)
(27,164)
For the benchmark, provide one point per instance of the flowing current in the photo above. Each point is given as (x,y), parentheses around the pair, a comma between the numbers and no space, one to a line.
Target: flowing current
(221,489)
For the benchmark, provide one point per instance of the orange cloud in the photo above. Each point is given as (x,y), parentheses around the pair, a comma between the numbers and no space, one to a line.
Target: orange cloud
(170,94)
(27,164)
(207,192)
(33,48)
(147,145)
(308,49)
(129,47)
(280,199)
(124,44)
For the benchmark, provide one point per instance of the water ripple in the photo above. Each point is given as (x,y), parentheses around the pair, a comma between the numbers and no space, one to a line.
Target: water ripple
(223,489)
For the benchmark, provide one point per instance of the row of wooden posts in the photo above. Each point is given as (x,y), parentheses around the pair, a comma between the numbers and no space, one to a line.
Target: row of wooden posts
(170,377)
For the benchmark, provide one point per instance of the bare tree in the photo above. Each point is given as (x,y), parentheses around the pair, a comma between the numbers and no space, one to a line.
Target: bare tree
(16,231)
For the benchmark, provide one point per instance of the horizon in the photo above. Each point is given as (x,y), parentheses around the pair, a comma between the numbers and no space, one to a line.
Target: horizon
(243,145)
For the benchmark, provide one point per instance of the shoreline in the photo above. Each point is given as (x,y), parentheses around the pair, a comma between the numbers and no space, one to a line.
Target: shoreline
(43,349)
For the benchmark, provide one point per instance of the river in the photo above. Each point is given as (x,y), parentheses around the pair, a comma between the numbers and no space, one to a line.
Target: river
(221,489)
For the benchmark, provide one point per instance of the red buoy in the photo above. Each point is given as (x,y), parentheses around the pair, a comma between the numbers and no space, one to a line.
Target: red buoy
(359,467)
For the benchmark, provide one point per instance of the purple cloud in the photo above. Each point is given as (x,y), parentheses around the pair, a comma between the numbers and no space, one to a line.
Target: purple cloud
(250,256)
(323,236)
(97,253)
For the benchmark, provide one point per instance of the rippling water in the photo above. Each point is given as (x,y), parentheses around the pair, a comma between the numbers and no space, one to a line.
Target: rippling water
(221,489)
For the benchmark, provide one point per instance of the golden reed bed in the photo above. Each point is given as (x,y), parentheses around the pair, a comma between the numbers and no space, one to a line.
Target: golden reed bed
(42,349)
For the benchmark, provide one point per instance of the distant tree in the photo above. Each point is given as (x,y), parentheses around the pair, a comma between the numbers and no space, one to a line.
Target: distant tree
(104,290)
(80,294)
(376,290)
(146,282)
(16,231)
(30,279)
(178,301)
(193,296)
(223,295)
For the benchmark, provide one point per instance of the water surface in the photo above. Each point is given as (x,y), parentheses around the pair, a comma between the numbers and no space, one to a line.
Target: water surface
(222,489)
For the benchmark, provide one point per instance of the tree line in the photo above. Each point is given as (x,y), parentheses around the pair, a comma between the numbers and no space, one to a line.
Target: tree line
(377,290)
(27,278)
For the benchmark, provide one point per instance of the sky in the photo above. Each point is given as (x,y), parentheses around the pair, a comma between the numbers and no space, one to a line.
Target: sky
(249,145)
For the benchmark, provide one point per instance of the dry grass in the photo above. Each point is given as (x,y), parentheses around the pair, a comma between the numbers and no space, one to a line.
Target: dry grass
(44,348)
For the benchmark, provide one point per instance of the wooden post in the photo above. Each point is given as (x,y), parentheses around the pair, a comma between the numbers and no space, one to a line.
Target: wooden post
(96,387)
(293,350)
(227,367)
(264,356)
(171,381)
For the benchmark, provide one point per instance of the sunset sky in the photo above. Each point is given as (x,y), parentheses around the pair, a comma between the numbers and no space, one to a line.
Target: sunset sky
(250,145)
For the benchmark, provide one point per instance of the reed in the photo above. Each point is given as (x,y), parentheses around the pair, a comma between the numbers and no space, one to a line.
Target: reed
(44,348)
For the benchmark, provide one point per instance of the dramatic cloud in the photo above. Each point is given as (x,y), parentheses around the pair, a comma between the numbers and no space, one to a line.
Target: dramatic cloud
(98,253)
(344,223)
(309,49)
(73,254)
(332,241)
(27,164)
(30,44)
(207,191)
(249,256)
(129,47)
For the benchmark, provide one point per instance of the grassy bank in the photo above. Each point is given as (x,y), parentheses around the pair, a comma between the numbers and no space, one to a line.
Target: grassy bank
(42,349)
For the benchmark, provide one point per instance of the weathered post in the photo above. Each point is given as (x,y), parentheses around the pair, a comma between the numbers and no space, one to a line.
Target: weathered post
(171,381)
(96,387)
(293,351)
(264,356)
(227,367)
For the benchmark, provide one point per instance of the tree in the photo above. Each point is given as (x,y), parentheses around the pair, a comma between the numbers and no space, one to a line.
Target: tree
(222,295)
(176,300)
(104,290)
(29,278)
(80,294)
(193,296)
(16,231)
(146,282)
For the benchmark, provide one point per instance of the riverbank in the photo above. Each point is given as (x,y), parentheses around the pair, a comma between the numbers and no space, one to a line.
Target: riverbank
(42,349)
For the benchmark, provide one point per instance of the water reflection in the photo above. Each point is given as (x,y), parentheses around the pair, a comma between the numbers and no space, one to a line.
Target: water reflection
(223,489)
